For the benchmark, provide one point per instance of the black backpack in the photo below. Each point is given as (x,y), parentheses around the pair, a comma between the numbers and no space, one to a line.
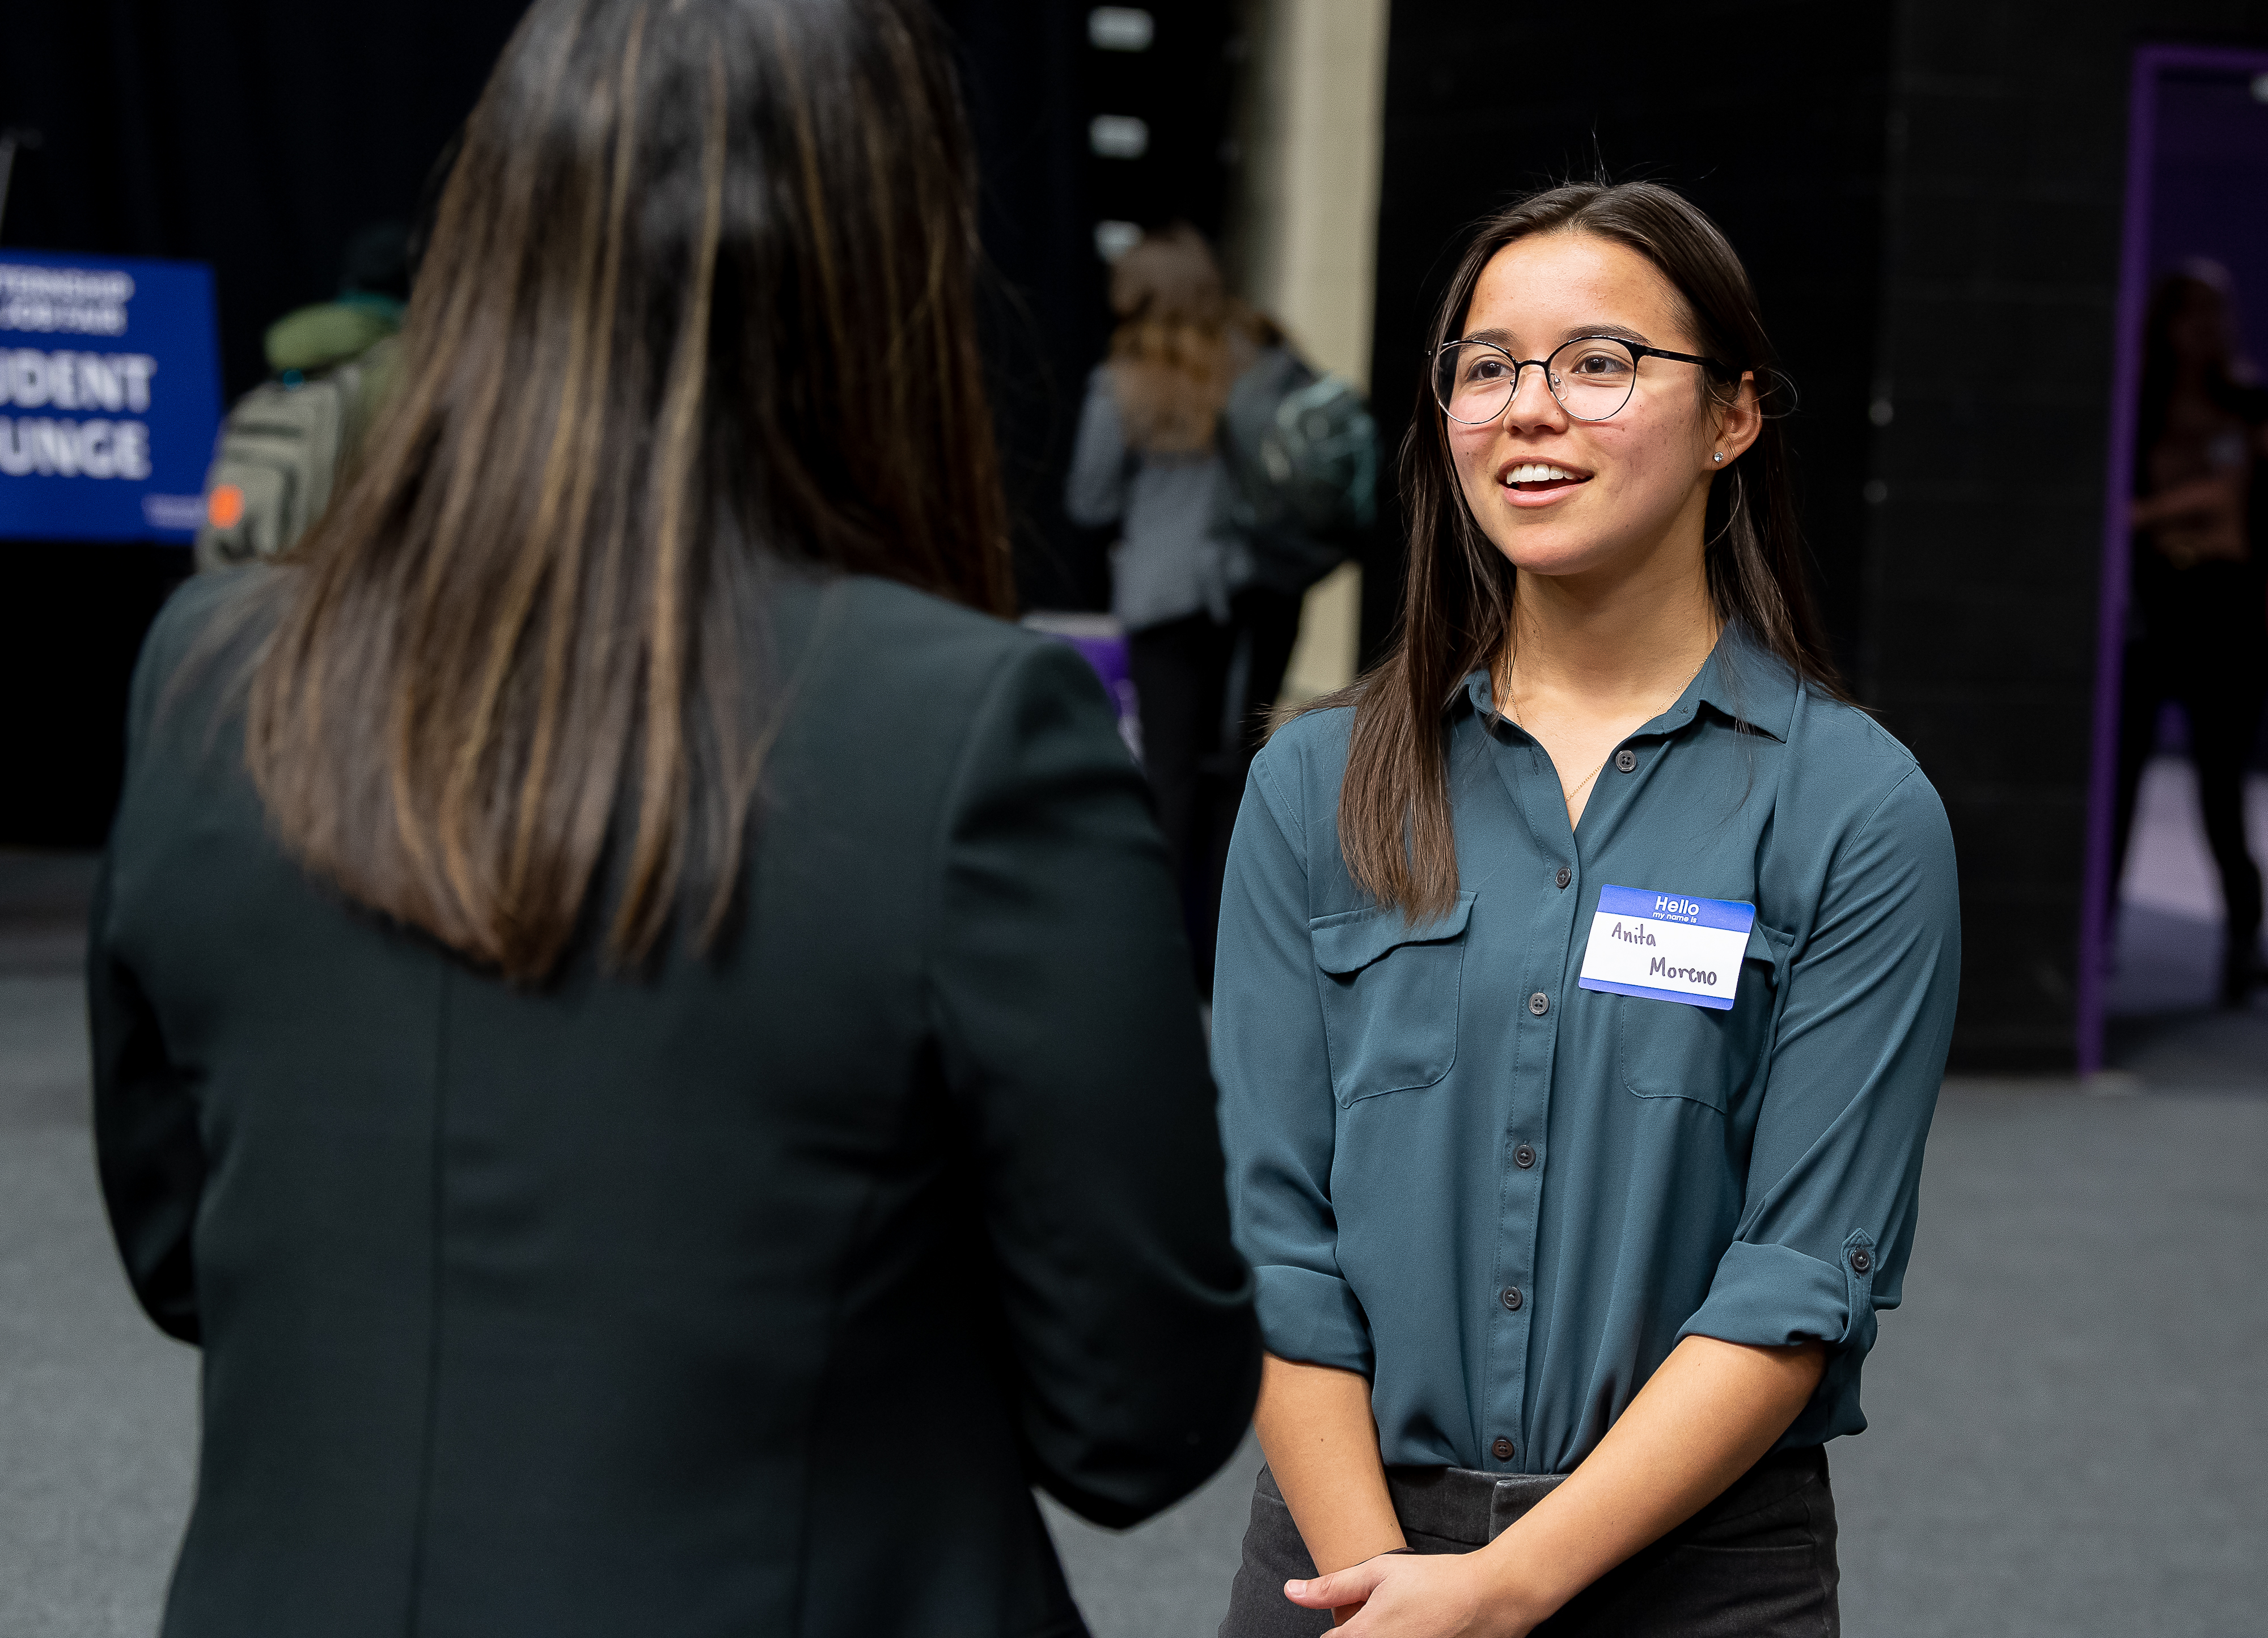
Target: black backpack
(1302,456)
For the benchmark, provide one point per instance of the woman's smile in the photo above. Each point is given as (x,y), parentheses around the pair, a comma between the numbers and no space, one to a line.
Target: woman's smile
(1533,483)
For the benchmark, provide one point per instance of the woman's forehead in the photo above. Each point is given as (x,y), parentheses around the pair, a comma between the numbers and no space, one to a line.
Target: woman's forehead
(1555,284)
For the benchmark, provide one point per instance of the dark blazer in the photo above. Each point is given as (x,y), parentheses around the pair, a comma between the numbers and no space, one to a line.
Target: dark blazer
(749,1296)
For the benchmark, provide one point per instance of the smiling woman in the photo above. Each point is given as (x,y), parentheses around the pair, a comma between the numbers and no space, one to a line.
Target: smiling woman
(1496,1404)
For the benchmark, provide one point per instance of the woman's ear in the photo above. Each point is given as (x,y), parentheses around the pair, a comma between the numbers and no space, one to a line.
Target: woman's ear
(1737,424)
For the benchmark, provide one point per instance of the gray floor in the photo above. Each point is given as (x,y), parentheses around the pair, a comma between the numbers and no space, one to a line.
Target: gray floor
(2069,1436)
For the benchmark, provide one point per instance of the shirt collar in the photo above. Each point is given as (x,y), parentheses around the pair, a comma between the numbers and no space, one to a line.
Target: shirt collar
(1741,681)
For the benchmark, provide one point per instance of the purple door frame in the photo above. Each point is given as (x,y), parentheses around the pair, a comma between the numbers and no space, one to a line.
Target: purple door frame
(2110,638)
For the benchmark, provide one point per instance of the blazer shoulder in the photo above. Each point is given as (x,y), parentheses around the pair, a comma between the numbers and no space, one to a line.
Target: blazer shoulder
(930,668)
(903,629)
(200,645)
(208,606)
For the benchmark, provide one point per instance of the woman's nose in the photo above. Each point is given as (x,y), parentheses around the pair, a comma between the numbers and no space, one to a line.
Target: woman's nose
(1531,403)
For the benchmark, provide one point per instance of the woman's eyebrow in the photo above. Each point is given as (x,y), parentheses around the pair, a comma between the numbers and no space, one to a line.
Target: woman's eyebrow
(1620,332)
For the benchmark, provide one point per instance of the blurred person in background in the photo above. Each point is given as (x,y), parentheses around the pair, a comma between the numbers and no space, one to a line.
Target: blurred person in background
(1148,458)
(644,1033)
(2197,607)
(1586,974)
(286,443)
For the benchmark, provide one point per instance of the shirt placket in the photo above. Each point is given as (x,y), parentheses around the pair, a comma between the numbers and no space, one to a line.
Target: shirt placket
(1523,1158)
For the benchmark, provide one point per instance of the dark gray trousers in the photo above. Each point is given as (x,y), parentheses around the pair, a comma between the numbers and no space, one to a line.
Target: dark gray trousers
(1757,1562)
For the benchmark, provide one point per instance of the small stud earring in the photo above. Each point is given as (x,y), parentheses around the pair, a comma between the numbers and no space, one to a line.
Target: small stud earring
(1717,457)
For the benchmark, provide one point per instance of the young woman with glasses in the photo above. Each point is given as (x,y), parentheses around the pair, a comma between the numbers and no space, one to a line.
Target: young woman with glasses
(1585,976)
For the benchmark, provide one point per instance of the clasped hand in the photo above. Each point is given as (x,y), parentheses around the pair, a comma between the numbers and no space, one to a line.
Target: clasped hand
(1401,1595)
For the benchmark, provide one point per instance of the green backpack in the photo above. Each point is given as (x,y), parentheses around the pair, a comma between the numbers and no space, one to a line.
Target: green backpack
(285,443)
(1301,450)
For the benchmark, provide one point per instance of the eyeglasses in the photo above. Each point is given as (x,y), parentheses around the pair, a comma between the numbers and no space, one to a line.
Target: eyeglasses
(1592,376)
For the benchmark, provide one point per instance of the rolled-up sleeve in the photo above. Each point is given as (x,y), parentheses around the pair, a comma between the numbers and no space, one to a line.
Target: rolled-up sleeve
(1279,1118)
(1835,1168)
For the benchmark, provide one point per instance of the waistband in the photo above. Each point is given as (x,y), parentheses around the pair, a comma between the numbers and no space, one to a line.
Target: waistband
(1465,1505)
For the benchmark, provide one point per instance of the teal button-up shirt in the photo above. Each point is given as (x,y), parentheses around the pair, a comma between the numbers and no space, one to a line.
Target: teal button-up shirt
(1504,1198)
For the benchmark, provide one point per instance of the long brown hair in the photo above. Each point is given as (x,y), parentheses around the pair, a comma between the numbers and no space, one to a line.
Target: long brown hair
(1181,340)
(1395,824)
(697,311)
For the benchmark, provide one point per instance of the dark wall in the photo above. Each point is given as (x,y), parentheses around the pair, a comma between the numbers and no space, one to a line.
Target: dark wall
(255,136)
(1033,81)
(1770,114)
(2008,175)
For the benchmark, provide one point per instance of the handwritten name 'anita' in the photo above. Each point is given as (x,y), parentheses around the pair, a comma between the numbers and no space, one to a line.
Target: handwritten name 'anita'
(1636,935)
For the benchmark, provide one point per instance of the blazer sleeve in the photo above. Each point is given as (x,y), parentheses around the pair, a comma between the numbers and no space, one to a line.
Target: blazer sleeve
(148,1149)
(1069,1034)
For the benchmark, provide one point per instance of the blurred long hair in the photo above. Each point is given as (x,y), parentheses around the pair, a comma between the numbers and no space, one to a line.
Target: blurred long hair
(1181,343)
(2226,379)
(1395,824)
(696,312)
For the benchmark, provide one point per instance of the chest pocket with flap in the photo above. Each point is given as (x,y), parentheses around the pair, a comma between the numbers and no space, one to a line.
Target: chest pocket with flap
(1670,1049)
(1389,994)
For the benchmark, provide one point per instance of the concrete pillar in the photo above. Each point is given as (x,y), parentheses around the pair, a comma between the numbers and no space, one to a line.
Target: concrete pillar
(1306,241)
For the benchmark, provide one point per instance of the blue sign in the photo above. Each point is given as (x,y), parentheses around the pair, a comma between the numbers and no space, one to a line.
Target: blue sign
(109,396)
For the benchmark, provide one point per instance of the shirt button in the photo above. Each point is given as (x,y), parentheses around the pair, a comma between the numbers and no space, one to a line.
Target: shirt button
(1539,1003)
(1563,876)
(1523,1156)
(1512,1298)
(1501,1449)
(1626,759)
(1859,1260)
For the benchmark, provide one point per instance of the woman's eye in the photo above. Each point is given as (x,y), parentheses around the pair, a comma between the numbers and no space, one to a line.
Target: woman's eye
(1484,369)
(1597,365)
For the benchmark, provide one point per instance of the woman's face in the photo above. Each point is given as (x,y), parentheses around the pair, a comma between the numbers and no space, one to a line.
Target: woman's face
(1616,489)
(2199,326)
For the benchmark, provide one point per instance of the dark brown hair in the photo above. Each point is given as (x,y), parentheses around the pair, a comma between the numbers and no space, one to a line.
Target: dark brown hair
(697,310)
(2226,379)
(1395,824)
(1181,340)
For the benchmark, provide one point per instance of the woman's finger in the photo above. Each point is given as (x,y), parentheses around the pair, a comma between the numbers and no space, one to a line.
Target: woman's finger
(1351,1585)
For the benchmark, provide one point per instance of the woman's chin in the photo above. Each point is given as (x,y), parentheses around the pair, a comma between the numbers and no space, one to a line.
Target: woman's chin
(1554,552)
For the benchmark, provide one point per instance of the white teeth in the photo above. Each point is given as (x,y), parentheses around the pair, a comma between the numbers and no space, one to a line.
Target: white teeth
(1536,471)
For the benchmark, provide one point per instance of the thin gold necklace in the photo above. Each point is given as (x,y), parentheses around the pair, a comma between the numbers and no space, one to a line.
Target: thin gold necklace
(1512,700)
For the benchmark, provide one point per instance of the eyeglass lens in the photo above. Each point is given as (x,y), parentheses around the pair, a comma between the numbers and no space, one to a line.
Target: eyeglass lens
(1592,377)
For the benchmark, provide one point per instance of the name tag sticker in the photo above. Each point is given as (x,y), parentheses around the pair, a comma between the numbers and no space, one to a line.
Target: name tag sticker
(1668,946)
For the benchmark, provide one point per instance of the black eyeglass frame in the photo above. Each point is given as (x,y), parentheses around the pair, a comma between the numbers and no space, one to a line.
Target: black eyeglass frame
(1637,349)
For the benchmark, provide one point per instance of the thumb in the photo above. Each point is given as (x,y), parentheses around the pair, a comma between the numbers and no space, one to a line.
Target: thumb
(1351,1585)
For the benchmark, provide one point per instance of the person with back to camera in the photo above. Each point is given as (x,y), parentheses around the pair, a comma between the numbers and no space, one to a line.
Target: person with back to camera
(645,1035)
(2198,614)
(1586,974)
(1147,455)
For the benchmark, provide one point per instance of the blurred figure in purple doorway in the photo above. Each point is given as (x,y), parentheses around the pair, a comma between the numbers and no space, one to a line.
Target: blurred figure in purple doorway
(1208,642)
(2197,612)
